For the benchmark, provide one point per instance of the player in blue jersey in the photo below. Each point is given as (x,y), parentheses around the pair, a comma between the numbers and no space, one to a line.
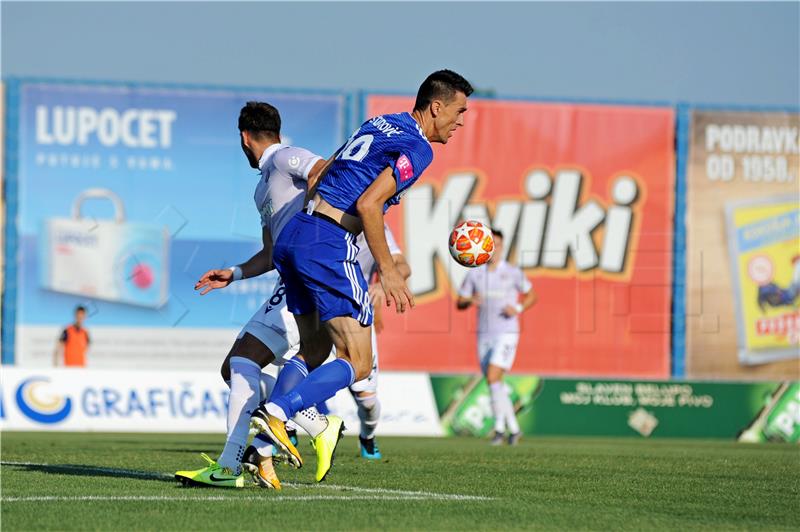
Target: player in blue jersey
(316,252)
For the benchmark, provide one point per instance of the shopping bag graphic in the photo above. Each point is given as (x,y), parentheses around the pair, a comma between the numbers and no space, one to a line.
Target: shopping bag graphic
(113,260)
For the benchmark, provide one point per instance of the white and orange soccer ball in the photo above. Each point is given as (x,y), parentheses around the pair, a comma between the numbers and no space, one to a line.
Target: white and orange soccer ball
(471,244)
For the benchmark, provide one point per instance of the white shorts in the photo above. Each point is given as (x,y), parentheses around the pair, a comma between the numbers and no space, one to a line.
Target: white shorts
(370,384)
(499,350)
(275,327)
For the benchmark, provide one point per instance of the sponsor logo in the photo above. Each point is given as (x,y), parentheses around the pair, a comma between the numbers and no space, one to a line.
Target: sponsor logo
(76,238)
(555,225)
(132,128)
(38,401)
(405,168)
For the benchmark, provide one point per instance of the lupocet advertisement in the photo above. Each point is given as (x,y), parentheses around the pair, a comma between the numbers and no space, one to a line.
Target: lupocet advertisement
(126,196)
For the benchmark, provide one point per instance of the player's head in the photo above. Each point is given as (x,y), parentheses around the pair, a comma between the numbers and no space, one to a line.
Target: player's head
(443,97)
(497,236)
(80,314)
(259,126)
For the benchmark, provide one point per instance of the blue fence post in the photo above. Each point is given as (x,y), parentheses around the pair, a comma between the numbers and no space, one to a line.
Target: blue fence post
(10,238)
(679,244)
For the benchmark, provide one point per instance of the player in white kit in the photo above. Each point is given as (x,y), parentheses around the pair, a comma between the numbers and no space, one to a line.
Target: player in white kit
(495,290)
(365,391)
(270,337)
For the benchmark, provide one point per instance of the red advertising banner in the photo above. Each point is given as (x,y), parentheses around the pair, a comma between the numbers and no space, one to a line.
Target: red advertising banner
(584,196)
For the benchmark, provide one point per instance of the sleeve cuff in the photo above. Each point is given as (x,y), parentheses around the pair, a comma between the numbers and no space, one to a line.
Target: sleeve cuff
(309,166)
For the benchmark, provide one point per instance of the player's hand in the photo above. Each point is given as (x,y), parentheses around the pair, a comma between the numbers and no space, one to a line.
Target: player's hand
(214,279)
(376,294)
(378,299)
(396,291)
(509,311)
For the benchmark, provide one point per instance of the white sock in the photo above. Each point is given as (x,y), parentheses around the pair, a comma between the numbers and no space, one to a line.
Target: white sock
(275,410)
(267,384)
(369,412)
(499,396)
(263,445)
(511,416)
(311,421)
(261,442)
(245,392)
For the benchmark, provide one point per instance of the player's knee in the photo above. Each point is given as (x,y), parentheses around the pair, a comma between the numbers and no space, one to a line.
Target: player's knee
(494,374)
(366,400)
(362,368)
(316,351)
(252,348)
(225,368)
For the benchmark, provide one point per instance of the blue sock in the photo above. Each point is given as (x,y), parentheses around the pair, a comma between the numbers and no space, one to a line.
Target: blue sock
(320,385)
(292,373)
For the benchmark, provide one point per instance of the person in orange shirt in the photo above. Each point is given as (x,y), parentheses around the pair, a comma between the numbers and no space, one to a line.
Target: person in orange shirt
(73,343)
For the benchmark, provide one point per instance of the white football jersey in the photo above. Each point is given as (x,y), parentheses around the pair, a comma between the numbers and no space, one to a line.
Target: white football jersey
(497,289)
(282,188)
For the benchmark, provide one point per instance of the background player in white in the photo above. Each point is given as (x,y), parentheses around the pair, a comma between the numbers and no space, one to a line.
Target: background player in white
(271,335)
(496,290)
(365,392)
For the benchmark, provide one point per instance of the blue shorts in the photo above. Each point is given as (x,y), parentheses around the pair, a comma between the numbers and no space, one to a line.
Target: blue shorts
(317,261)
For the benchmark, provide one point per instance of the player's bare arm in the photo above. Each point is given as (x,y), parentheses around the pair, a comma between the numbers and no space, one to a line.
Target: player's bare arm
(529,299)
(256,265)
(319,169)
(370,211)
(463,303)
(58,353)
(402,265)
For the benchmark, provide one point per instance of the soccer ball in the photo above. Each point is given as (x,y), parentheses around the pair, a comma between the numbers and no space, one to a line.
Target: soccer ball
(471,244)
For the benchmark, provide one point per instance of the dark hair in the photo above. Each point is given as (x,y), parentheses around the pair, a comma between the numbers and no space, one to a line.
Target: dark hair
(497,232)
(80,308)
(260,118)
(441,85)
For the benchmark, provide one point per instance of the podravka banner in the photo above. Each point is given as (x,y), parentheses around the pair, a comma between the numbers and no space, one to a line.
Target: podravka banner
(743,245)
(583,195)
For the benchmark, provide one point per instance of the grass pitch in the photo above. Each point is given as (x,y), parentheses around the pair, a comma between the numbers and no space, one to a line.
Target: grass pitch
(68,481)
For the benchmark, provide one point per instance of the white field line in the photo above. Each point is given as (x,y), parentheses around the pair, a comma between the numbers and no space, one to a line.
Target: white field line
(359,493)
(217,498)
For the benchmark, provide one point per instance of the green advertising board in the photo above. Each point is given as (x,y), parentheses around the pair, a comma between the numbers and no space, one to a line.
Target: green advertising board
(763,411)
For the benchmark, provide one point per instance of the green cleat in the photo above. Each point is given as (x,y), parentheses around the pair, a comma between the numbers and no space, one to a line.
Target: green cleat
(211,475)
(325,445)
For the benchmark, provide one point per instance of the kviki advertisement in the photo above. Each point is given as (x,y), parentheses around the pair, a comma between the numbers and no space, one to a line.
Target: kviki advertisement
(126,196)
(584,196)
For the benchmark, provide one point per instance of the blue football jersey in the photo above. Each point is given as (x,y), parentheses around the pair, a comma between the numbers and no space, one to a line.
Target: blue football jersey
(390,140)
